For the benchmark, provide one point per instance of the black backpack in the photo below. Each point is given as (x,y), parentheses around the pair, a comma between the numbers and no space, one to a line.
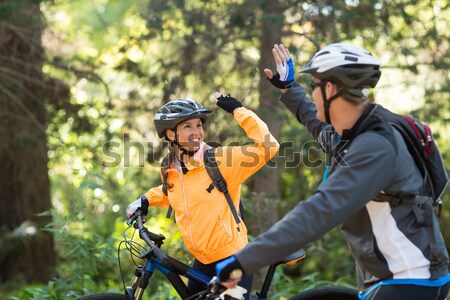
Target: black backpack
(219,182)
(424,150)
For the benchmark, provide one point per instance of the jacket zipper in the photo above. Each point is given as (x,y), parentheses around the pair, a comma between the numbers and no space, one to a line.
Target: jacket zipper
(224,225)
(187,214)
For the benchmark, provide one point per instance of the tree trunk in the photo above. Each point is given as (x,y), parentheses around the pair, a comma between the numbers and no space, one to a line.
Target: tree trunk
(26,251)
(266,184)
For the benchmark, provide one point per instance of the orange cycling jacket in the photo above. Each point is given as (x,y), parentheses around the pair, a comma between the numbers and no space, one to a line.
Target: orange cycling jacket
(205,220)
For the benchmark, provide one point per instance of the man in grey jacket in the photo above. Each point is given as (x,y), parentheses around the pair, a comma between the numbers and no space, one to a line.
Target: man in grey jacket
(398,256)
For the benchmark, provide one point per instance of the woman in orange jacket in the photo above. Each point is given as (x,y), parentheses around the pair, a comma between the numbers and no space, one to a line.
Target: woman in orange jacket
(206,222)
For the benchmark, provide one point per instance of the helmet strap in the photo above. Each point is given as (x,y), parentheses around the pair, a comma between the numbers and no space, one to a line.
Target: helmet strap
(183,151)
(327,102)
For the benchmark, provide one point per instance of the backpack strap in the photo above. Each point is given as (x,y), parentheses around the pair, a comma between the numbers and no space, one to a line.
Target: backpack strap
(424,137)
(391,199)
(218,181)
(169,210)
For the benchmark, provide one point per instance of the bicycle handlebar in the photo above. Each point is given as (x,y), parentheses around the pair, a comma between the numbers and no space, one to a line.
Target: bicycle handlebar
(145,235)
(214,287)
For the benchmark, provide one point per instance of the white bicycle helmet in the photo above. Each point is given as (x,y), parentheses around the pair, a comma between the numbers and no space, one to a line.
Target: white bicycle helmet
(176,112)
(353,67)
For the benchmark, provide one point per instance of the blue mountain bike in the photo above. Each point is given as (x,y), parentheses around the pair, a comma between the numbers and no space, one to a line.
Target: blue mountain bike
(154,259)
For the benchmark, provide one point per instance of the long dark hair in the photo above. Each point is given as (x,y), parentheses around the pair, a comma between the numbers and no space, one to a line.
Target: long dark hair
(165,165)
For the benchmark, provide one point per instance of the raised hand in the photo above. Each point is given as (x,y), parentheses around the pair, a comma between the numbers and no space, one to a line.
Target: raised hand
(284,78)
(227,102)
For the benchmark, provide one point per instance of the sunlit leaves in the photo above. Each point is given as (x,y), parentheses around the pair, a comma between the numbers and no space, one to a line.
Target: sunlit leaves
(124,59)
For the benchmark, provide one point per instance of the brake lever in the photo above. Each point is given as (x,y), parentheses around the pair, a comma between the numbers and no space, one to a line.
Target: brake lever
(131,219)
(134,218)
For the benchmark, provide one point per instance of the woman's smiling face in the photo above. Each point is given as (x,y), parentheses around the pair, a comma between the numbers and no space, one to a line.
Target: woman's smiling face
(190,134)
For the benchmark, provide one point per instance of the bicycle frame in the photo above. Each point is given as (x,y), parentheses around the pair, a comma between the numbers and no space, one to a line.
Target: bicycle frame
(173,269)
(156,260)
(143,275)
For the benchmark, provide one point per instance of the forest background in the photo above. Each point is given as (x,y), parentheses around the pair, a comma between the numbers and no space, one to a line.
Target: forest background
(81,80)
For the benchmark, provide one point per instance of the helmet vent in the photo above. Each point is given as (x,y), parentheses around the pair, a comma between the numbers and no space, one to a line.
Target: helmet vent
(349,65)
(322,53)
(351,58)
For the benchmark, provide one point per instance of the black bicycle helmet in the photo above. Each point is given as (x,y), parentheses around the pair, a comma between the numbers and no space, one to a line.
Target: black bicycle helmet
(176,112)
(354,68)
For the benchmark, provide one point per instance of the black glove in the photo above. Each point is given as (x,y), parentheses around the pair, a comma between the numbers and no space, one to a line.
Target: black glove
(281,84)
(228,103)
(284,79)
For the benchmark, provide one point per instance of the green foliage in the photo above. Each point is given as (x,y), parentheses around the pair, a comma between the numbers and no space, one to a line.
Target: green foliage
(7,8)
(123,59)
(9,12)
(55,290)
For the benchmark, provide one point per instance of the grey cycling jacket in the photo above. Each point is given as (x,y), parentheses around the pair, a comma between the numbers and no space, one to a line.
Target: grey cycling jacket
(387,241)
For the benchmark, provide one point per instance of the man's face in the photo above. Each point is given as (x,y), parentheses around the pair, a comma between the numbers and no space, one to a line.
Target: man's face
(316,95)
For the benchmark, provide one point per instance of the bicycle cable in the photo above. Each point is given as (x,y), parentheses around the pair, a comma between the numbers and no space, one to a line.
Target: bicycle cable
(120,265)
(124,241)
(132,247)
